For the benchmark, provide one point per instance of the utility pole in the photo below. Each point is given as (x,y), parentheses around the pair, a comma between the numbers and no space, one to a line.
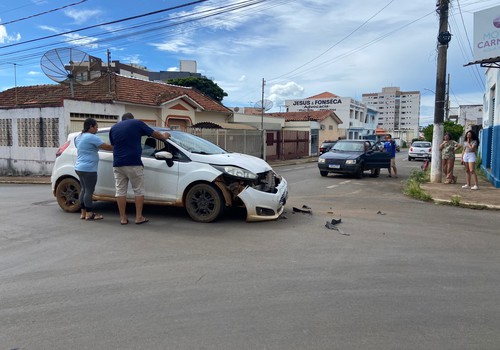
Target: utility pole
(444,38)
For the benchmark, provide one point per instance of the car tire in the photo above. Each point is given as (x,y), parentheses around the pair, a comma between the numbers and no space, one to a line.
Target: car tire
(409,158)
(204,203)
(67,194)
(323,173)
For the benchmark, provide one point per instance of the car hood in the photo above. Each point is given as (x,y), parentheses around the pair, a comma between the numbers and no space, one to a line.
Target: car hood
(245,161)
(341,155)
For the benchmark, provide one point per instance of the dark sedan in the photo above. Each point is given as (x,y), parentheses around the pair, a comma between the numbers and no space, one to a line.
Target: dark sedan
(353,157)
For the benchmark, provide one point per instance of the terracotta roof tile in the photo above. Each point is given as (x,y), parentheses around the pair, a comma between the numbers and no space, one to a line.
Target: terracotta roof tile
(323,95)
(108,89)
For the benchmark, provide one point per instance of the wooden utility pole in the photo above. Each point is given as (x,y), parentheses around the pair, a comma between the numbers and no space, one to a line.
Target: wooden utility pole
(444,38)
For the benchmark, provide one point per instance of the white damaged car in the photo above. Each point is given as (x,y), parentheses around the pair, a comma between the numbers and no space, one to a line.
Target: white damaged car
(185,171)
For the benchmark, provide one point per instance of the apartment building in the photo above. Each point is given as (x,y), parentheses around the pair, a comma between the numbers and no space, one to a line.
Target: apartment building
(398,111)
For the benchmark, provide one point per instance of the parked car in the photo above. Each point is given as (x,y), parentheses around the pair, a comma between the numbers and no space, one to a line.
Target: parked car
(420,150)
(326,146)
(354,157)
(185,171)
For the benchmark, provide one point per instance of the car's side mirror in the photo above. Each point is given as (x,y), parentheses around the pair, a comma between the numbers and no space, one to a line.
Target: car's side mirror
(166,156)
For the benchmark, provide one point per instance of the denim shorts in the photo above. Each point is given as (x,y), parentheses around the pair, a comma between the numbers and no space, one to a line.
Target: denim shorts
(469,157)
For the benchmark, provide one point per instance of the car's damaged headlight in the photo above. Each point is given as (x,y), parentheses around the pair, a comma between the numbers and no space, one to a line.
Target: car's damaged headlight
(321,160)
(235,171)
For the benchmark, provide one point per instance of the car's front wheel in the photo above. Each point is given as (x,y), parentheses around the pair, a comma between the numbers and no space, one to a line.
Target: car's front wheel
(359,171)
(204,203)
(67,193)
(323,173)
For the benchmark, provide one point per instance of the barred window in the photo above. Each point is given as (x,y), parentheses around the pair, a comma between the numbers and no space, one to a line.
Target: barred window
(6,132)
(38,132)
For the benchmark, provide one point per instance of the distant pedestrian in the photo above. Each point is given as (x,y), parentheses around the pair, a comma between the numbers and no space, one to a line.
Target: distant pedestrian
(469,154)
(88,144)
(390,147)
(125,137)
(448,148)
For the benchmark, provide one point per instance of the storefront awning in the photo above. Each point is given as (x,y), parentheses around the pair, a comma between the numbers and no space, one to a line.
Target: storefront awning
(487,63)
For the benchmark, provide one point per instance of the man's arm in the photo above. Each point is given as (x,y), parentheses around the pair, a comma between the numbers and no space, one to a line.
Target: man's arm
(160,135)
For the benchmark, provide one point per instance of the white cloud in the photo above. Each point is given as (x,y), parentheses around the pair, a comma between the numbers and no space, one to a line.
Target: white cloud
(5,38)
(173,69)
(34,73)
(81,16)
(281,92)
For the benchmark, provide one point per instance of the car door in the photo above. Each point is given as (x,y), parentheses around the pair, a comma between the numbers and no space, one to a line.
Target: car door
(160,179)
(376,158)
(105,179)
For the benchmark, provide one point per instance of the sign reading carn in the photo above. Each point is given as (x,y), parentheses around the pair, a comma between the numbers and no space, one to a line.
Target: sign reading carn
(487,33)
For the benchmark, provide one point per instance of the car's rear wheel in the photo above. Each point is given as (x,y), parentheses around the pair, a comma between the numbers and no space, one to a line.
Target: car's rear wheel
(409,158)
(67,193)
(323,173)
(204,203)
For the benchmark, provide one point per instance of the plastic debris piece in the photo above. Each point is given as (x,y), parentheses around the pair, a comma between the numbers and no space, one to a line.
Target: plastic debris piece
(299,210)
(380,213)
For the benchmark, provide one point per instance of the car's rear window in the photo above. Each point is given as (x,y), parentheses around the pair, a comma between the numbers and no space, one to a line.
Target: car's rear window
(421,144)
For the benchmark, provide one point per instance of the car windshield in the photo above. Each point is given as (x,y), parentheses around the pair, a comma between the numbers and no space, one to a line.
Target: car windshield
(349,146)
(194,144)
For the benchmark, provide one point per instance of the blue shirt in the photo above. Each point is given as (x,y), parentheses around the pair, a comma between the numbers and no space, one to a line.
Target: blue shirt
(87,145)
(125,137)
(390,147)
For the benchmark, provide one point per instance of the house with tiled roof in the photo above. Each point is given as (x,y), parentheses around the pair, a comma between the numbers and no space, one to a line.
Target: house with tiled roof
(35,120)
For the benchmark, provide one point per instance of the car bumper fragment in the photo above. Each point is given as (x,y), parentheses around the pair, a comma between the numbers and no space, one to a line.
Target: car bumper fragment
(263,206)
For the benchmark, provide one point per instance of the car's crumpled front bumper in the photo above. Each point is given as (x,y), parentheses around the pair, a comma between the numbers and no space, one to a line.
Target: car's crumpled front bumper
(263,206)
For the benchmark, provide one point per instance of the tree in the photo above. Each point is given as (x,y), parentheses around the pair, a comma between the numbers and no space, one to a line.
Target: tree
(205,85)
(455,130)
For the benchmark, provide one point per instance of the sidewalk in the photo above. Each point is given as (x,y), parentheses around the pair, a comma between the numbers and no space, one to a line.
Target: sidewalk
(487,196)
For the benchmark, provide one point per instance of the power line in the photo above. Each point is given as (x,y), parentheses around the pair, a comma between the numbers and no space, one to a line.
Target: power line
(338,42)
(42,13)
(104,24)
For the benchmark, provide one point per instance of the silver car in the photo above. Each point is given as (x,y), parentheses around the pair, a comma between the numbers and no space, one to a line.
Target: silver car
(420,150)
(185,171)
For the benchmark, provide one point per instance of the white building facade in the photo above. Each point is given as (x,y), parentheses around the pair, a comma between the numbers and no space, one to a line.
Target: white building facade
(357,121)
(398,111)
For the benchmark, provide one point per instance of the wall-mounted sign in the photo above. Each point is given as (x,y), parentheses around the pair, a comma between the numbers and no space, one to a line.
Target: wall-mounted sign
(487,33)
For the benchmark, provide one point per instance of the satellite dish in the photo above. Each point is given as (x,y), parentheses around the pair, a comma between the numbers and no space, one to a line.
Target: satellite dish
(236,109)
(266,104)
(68,66)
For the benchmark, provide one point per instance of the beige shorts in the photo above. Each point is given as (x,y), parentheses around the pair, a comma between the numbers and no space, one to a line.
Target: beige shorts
(124,174)
(393,161)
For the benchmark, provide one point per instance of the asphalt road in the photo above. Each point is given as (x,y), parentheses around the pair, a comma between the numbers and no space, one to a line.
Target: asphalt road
(401,274)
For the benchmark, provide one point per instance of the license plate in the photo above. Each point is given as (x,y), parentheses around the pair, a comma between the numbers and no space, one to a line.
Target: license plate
(334,166)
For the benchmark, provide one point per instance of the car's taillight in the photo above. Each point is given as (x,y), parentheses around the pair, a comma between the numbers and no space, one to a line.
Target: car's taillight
(411,149)
(62,148)
(430,150)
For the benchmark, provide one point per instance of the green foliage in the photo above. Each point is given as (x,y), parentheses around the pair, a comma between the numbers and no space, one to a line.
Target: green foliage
(205,85)
(455,200)
(455,130)
(412,187)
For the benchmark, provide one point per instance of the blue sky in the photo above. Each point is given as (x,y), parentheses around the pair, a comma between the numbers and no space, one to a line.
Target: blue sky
(300,47)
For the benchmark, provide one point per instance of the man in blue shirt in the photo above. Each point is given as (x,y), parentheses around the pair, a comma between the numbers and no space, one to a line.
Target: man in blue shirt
(390,147)
(125,137)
